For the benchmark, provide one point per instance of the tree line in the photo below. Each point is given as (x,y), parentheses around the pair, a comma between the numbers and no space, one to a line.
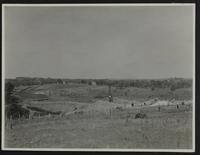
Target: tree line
(172,83)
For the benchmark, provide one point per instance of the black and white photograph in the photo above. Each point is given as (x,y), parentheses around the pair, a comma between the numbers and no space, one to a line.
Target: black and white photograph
(106,77)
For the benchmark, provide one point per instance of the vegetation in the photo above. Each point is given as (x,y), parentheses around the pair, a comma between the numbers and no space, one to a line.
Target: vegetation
(173,83)
(140,115)
(13,109)
(68,114)
(8,93)
(161,130)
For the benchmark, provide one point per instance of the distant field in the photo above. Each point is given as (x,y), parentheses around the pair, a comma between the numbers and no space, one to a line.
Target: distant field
(97,123)
(87,93)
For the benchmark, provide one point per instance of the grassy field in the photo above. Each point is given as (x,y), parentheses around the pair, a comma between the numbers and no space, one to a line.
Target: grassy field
(97,123)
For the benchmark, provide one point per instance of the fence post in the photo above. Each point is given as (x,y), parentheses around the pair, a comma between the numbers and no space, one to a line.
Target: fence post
(11,122)
(19,117)
(29,115)
(158,108)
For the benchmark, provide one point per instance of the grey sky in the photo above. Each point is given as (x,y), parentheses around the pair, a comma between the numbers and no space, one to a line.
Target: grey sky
(99,42)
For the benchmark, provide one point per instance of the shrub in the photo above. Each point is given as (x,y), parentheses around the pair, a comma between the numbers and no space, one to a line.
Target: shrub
(140,115)
(172,88)
(15,111)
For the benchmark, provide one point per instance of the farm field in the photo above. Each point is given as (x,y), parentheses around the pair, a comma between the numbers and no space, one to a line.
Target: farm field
(85,119)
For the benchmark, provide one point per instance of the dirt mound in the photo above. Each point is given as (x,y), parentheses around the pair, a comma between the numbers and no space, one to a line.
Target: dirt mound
(169,103)
(101,105)
(32,96)
(161,103)
(43,111)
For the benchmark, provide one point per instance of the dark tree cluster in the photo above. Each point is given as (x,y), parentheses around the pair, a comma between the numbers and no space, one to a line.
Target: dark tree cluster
(12,108)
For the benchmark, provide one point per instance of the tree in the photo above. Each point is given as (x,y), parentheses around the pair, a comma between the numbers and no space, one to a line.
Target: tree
(59,81)
(13,109)
(173,88)
(9,87)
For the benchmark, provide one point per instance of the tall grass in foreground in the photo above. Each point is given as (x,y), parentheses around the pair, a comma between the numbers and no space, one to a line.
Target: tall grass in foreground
(113,128)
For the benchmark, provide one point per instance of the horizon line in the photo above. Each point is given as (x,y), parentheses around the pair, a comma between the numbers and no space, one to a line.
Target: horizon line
(99,78)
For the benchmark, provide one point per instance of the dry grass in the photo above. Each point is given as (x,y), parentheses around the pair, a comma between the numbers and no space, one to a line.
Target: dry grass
(100,124)
(98,129)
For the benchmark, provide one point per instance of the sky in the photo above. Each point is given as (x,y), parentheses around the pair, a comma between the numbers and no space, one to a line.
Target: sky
(99,42)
